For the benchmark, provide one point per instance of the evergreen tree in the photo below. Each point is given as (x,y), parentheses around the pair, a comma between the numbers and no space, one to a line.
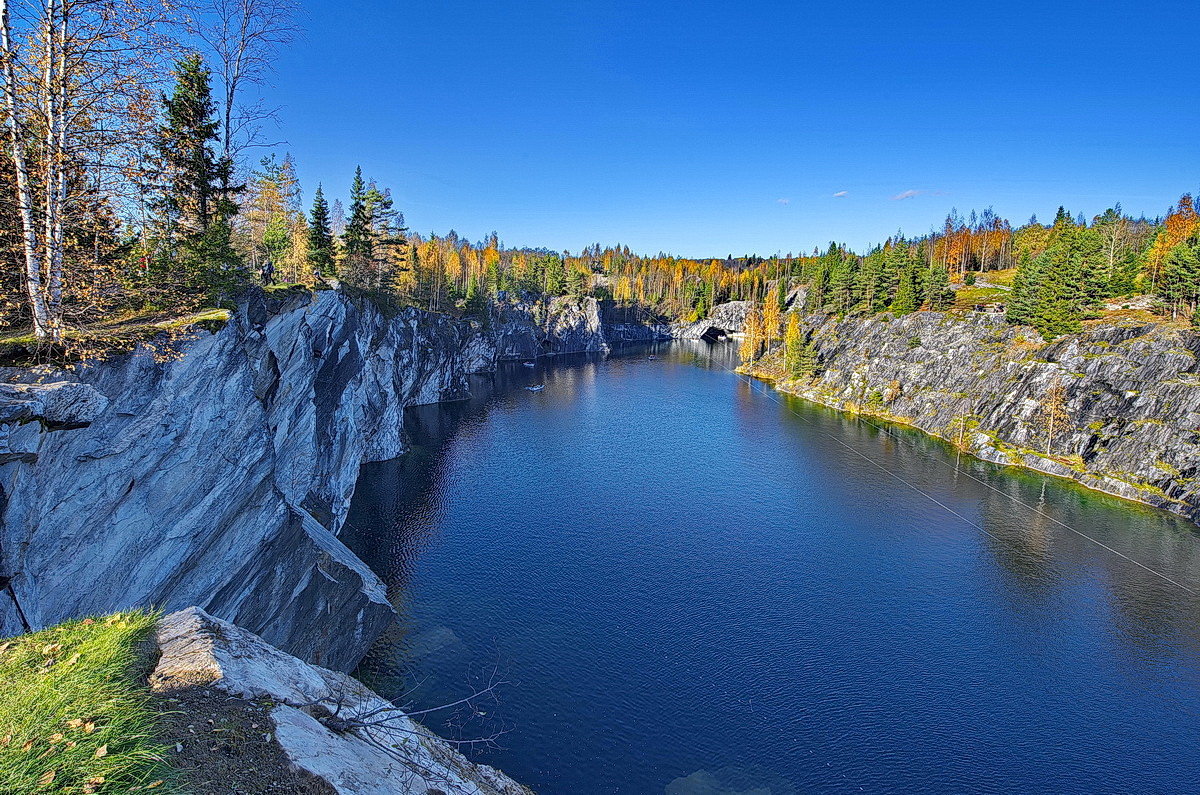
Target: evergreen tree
(357,237)
(184,150)
(555,275)
(320,237)
(906,299)
(1181,278)
(194,198)
(809,364)
(938,291)
(1027,285)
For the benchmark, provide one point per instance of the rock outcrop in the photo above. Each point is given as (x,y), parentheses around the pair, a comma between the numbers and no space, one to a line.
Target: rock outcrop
(219,474)
(725,319)
(523,328)
(1116,407)
(326,723)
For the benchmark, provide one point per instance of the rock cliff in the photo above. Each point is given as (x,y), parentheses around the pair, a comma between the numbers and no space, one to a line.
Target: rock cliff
(219,474)
(725,319)
(524,328)
(1116,407)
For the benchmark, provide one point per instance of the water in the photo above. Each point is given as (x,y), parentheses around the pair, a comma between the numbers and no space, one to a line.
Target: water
(694,586)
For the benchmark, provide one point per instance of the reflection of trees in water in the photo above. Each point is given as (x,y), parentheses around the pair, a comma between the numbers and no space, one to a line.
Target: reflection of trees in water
(1150,613)
(1038,556)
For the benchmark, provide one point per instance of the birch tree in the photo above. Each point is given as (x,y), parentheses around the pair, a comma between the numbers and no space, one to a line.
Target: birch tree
(242,37)
(78,77)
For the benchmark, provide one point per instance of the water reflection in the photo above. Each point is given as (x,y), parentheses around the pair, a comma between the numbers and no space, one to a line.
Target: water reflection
(701,588)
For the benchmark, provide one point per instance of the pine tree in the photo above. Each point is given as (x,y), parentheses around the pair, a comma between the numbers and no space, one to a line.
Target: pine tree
(320,237)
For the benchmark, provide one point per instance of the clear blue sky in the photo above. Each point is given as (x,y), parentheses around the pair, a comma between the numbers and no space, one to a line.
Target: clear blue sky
(705,128)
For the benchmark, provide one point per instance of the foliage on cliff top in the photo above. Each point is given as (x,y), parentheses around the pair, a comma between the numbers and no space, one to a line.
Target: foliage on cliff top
(75,712)
(118,334)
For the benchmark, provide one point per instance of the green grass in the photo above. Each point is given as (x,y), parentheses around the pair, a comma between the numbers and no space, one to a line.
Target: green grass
(75,712)
(968,297)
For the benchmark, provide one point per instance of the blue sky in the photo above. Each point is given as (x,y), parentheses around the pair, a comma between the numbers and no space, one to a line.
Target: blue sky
(705,129)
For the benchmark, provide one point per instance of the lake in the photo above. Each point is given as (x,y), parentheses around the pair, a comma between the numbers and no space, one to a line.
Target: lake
(690,584)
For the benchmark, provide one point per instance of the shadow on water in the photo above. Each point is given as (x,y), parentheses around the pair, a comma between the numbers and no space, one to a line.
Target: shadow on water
(700,586)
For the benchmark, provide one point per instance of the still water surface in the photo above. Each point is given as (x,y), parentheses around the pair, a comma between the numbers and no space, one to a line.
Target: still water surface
(694,587)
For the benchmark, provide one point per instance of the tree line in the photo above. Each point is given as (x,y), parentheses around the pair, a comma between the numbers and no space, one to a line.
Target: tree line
(133,181)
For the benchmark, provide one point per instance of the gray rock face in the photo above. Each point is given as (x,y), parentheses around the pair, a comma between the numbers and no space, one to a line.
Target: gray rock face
(62,403)
(524,329)
(637,332)
(314,712)
(221,477)
(725,319)
(1125,399)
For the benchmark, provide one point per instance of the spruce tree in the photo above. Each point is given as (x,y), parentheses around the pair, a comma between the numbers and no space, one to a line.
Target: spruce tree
(1181,278)
(1025,289)
(357,237)
(184,149)
(906,294)
(320,237)
(194,197)
(940,296)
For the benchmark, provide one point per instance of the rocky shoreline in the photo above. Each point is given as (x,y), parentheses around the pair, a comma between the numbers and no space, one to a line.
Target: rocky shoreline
(1115,408)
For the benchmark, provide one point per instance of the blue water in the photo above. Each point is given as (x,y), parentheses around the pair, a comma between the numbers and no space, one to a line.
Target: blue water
(693,585)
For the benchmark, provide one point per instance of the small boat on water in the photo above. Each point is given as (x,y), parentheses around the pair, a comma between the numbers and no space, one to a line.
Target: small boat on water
(536,387)
(529,364)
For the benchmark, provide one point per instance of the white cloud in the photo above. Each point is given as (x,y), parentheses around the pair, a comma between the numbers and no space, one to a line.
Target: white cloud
(908,194)
(784,201)
(841,194)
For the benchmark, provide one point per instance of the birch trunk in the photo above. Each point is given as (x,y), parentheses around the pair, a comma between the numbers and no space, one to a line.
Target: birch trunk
(55,169)
(33,272)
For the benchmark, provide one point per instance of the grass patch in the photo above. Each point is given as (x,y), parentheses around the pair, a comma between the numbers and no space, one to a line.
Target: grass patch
(1002,277)
(968,297)
(75,713)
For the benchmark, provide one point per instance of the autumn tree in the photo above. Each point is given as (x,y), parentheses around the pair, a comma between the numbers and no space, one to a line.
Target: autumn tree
(1181,223)
(1053,415)
(75,82)
(753,337)
(770,319)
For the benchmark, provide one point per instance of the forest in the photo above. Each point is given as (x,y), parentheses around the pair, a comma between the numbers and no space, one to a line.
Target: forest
(134,184)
